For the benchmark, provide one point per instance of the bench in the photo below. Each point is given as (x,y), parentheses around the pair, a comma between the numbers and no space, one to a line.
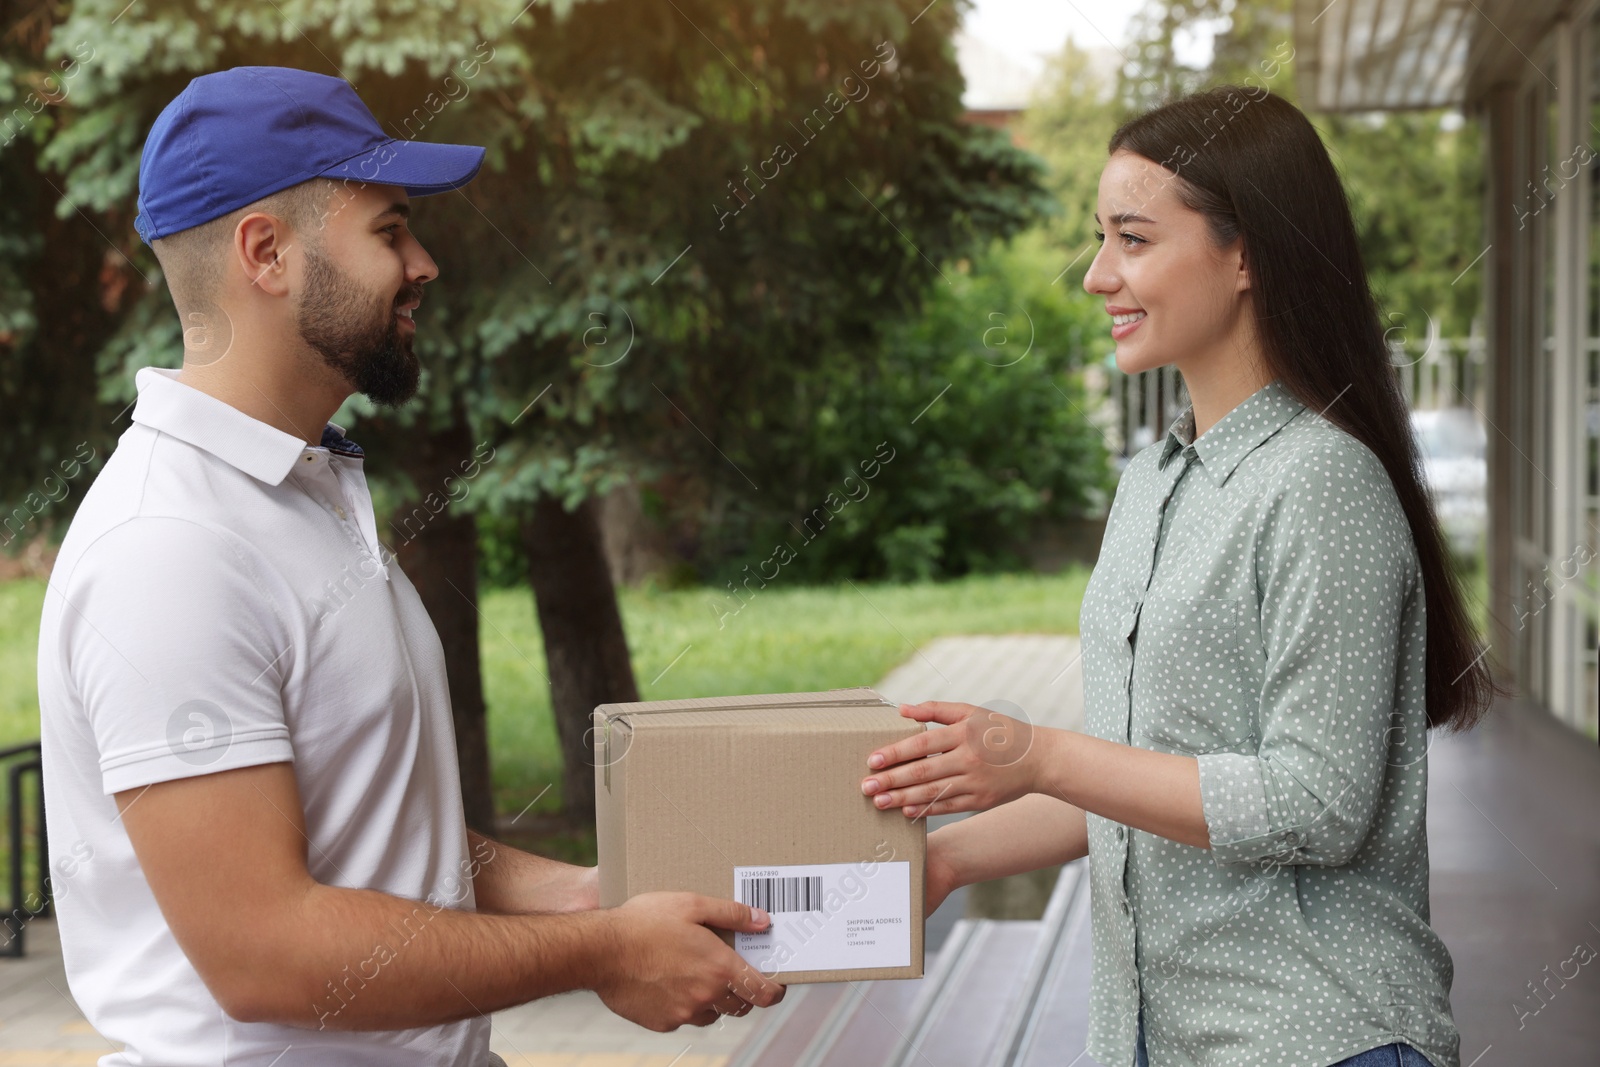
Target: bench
(998,993)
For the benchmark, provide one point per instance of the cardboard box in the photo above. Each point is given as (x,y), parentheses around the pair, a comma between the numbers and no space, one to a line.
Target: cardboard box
(758,798)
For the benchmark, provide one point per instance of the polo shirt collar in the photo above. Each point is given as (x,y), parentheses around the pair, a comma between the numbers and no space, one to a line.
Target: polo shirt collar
(1236,434)
(264,452)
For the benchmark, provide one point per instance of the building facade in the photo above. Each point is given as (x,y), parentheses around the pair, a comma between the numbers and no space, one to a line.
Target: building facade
(1529,71)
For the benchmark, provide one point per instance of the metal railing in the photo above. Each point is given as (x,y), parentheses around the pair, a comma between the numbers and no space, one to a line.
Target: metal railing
(1133,411)
(20,761)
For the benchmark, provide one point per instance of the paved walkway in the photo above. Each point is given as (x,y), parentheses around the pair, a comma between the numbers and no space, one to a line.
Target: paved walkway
(1037,674)
(39,1023)
(1516,892)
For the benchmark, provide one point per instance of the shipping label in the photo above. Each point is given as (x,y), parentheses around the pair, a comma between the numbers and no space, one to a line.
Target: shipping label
(827,916)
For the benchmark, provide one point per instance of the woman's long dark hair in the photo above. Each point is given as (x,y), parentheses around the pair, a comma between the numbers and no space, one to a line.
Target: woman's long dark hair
(1254,166)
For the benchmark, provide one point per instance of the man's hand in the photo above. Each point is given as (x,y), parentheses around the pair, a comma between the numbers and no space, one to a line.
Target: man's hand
(672,970)
(225,855)
(980,760)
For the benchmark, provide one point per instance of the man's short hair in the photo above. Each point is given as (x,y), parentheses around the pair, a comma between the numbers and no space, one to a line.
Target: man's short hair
(193,260)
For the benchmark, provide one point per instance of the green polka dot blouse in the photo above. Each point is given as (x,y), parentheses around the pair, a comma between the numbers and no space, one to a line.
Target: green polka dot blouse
(1258,605)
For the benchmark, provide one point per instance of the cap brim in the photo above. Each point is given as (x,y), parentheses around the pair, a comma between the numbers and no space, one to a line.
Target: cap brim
(419,167)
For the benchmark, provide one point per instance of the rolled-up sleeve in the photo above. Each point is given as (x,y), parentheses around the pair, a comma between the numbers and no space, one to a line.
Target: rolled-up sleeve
(1337,574)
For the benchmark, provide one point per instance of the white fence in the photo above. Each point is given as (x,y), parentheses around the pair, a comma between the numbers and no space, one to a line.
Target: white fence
(1135,410)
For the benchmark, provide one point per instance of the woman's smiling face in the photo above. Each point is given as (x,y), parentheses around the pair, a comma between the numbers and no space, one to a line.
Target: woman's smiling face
(1174,295)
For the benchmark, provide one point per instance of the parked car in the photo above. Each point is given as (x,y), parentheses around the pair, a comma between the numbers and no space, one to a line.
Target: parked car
(1454,448)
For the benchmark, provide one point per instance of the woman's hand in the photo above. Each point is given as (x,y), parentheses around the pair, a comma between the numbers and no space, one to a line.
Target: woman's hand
(980,760)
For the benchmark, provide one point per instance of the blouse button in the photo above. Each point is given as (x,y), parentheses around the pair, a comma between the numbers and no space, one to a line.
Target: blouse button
(338,510)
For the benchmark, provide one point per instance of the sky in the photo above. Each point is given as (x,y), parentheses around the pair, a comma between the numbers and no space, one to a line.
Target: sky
(1032,29)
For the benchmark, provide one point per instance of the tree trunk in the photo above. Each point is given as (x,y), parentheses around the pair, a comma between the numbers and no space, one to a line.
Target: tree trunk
(584,643)
(437,545)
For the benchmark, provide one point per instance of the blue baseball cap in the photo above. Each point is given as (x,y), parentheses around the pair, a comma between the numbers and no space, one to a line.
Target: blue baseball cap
(233,137)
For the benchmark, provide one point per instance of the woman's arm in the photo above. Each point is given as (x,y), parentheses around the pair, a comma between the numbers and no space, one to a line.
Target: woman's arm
(972,765)
(1158,792)
(1341,592)
(1029,833)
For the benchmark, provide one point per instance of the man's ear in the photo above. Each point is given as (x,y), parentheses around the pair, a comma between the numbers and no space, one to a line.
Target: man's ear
(261,246)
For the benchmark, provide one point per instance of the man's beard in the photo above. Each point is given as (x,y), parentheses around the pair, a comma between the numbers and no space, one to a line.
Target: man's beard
(357,336)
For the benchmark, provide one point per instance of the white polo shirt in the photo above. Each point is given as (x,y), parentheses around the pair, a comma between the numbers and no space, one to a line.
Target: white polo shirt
(222,600)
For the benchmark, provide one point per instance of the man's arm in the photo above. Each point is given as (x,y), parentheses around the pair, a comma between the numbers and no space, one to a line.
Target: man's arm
(513,882)
(225,855)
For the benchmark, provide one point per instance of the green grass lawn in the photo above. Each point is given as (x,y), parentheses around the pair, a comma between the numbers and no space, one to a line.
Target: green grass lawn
(782,640)
(20,604)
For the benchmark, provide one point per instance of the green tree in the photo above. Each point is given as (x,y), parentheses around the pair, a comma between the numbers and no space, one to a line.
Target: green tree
(1415,184)
(938,452)
(685,207)
(1069,125)
(61,287)
(1415,180)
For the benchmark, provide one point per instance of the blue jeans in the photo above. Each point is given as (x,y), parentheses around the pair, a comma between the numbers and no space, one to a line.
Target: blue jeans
(1396,1055)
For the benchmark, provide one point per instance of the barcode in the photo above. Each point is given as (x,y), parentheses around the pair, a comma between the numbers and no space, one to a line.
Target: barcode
(782,894)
